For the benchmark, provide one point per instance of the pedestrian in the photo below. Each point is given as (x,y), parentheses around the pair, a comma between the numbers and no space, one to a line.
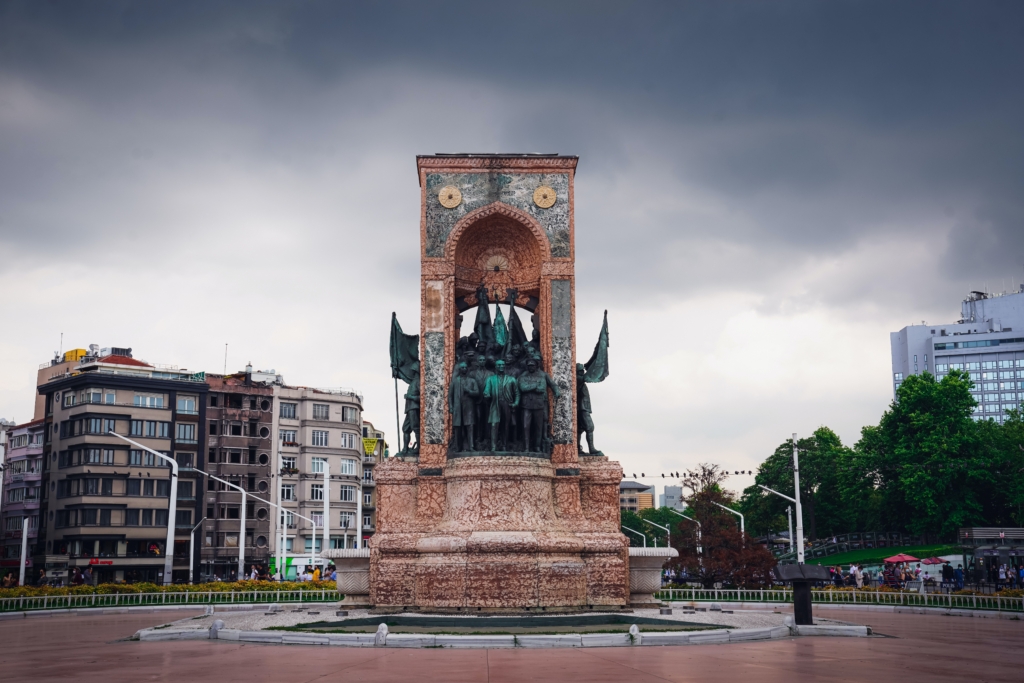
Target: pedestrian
(1002,576)
(76,578)
(858,576)
(958,577)
(7,581)
(334,573)
(87,575)
(316,573)
(254,574)
(41,581)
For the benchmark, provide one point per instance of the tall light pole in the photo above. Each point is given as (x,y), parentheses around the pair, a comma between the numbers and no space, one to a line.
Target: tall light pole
(327,508)
(668,532)
(799,524)
(699,549)
(24,549)
(735,512)
(172,508)
(192,548)
(245,496)
(789,518)
(796,492)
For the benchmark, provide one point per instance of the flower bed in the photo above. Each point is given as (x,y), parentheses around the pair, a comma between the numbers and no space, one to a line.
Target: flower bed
(127,588)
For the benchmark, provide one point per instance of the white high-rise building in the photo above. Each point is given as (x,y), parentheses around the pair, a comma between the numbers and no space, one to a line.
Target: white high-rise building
(987,342)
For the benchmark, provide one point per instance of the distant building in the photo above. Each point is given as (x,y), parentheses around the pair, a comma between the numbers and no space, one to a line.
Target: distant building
(634,496)
(240,450)
(673,498)
(375,449)
(320,428)
(987,342)
(106,501)
(22,493)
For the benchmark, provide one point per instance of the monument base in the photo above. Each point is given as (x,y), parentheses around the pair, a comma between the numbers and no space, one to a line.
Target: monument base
(499,533)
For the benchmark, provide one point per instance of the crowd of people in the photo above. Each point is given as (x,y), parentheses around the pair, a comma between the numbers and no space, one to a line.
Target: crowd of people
(259,572)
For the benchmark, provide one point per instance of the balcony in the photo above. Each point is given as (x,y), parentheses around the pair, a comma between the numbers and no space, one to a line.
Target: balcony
(369,482)
(369,460)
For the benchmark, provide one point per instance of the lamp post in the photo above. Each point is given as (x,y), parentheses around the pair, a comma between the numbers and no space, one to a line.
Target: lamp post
(789,518)
(668,532)
(327,508)
(192,548)
(639,533)
(796,492)
(172,508)
(700,550)
(244,496)
(24,549)
(799,524)
(735,512)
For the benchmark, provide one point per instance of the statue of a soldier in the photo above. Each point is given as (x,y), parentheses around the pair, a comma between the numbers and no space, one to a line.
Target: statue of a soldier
(533,387)
(462,394)
(584,423)
(502,393)
(411,425)
(480,372)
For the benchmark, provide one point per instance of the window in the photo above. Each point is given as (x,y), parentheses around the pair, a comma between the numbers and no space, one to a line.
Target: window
(147,487)
(367,521)
(69,400)
(318,519)
(1006,364)
(347,520)
(288,492)
(94,425)
(988,365)
(184,489)
(213,428)
(1006,375)
(348,494)
(92,456)
(349,414)
(991,397)
(147,518)
(309,544)
(368,475)
(319,438)
(288,410)
(288,462)
(131,517)
(149,401)
(183,518)
(185,432)
(185,459)
(104,517)
(135,457)
(990,386)
(288,437)
(160,517)
(236,429)
(941,367)
(108,487)
(367,499)
(956,366)
(349,440)
(992,408)
(107,456)
(321,411)
(348,466)
(316,492)
(973,366)
(288,519)
(134,487)
(187,405)
(235,457)
(163,430)
(136,428)
(318,465)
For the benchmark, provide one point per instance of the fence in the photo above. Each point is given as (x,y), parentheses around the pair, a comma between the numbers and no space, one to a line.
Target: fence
(827,597)
(157,599)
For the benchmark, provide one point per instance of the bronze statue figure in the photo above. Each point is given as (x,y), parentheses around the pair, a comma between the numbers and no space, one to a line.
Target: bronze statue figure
(411,425)
(533,387)
(462,394)
(595,370)
(503,393)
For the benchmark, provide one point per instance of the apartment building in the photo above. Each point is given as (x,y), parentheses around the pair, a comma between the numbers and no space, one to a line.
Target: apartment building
(22,494)
(634,496)
(106,503)
(240,450)
(320,430)
(375,449)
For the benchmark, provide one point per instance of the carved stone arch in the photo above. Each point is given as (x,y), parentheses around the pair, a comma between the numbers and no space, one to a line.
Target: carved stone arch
(497,209)
(500,247)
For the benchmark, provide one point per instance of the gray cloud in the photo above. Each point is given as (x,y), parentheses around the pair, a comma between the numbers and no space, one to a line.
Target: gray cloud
(758,164)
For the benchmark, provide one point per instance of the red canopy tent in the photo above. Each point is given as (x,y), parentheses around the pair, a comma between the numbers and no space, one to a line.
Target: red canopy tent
(901,558)
(933,560)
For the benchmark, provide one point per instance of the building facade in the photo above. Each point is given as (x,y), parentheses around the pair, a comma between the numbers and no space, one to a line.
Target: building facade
(672,498)
(239,450)
(634,496)
(987,342)
(107,502)
(22,494)
(319,431)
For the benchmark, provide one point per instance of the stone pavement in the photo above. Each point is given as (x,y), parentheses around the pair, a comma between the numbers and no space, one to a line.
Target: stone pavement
(923,648)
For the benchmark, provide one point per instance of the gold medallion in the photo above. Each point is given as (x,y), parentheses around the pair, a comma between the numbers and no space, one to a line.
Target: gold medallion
(544,197)
(449,196)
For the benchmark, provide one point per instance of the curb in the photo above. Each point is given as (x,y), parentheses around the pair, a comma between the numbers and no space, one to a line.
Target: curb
(570,640)
(893,609)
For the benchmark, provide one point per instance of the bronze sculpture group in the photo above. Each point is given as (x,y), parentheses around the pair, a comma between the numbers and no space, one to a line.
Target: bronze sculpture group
(498,391)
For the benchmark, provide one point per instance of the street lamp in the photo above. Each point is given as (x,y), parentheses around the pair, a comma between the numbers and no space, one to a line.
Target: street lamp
(172,508)
(668,533)
(241,549)
(192,547)
(674,512)
(799,523)
(639,533)
(735,512)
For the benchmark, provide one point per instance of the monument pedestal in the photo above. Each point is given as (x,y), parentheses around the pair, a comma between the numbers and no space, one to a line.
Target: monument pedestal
(499,532)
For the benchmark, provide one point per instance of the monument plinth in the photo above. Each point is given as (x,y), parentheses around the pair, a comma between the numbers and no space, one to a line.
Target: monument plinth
(495,505)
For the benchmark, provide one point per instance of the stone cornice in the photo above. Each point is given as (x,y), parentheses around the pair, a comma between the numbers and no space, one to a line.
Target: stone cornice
(496,163)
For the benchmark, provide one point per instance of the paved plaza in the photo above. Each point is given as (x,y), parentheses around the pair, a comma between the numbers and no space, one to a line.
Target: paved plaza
(916,648)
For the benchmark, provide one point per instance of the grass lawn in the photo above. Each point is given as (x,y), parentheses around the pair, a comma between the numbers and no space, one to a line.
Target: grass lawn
(876,555)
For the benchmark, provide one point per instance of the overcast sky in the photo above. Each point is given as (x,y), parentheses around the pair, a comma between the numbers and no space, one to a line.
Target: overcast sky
(765,190)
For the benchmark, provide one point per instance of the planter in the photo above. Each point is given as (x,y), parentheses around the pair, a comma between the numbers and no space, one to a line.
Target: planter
(353,569)
(645,565)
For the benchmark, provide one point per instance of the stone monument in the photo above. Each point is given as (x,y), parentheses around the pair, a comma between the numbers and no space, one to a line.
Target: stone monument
(496,506)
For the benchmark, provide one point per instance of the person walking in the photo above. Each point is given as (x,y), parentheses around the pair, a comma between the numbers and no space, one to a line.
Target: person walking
(858,576)
(958,577)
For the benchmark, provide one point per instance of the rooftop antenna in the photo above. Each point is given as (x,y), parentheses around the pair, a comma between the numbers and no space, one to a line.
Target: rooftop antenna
(61,352)
(225,359)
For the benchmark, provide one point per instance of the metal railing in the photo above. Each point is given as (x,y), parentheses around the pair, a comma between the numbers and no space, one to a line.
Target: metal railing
(833,597)
(156,599)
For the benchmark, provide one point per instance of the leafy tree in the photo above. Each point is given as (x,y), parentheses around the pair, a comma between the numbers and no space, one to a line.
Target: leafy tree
(927,458)
(628,518)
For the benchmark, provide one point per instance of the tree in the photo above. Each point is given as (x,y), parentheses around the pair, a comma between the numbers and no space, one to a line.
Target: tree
(722,554)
